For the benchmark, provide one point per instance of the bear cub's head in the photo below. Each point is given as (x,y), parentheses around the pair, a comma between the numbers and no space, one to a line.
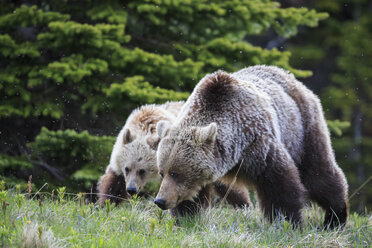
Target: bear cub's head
(137,161)
(185,159)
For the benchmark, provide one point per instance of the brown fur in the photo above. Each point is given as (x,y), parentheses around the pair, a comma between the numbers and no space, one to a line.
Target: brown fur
(279,189)
(202,201)
(140,124)
(323,183)
(146,119)
(266,128)
(111,187)
(317,171)
(237,196)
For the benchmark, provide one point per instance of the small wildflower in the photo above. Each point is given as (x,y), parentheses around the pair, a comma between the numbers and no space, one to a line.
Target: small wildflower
(123,218)
(28,222)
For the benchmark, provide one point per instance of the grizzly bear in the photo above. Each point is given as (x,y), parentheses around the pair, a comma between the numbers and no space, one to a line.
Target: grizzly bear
(133,162)
(131,144)
(264,128)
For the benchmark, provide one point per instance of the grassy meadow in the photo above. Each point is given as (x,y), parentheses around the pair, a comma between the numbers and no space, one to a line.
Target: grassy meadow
(60,219)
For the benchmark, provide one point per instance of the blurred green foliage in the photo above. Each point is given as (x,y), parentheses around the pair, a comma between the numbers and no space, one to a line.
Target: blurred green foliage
(80,157)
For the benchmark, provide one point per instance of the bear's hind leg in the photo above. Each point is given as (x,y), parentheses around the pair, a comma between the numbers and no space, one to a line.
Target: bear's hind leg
(320,173)
(112,187)
(326,185)
(327,192)
(279,187)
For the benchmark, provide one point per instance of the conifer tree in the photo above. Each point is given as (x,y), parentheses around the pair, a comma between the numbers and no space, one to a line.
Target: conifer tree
(71,66)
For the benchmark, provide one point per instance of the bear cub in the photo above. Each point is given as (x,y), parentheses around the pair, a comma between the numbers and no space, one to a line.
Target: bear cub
(133,158)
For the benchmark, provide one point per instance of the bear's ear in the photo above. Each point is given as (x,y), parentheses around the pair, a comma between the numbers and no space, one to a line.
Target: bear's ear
(128,137)
(208,134)
(153,141)
(162,128)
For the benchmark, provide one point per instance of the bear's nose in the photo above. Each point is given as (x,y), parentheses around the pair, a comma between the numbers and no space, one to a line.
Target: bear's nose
(160,202)
(132,190)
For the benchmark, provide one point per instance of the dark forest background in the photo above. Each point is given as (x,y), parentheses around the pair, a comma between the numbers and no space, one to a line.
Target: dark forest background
(72,71)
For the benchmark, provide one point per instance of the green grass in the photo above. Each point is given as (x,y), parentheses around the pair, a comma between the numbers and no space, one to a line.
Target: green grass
(67,221)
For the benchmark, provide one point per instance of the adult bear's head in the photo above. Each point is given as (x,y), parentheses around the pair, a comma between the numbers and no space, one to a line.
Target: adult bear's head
(185,158)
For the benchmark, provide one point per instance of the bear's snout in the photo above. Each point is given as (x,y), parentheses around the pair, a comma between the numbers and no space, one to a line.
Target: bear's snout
(160,203)
(132,190)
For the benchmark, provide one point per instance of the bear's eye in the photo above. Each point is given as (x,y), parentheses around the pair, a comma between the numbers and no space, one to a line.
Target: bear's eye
(173,175)
(141,172)
(161,174)
(126,170)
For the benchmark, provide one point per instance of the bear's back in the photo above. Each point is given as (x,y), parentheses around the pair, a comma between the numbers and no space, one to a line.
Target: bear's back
(279,85)
(245,104)
(142,121)
(173,107)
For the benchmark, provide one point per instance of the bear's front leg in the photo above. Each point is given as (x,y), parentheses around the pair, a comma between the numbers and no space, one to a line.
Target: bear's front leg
(236,196)
(112,187)
(279,186)
(190,208)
